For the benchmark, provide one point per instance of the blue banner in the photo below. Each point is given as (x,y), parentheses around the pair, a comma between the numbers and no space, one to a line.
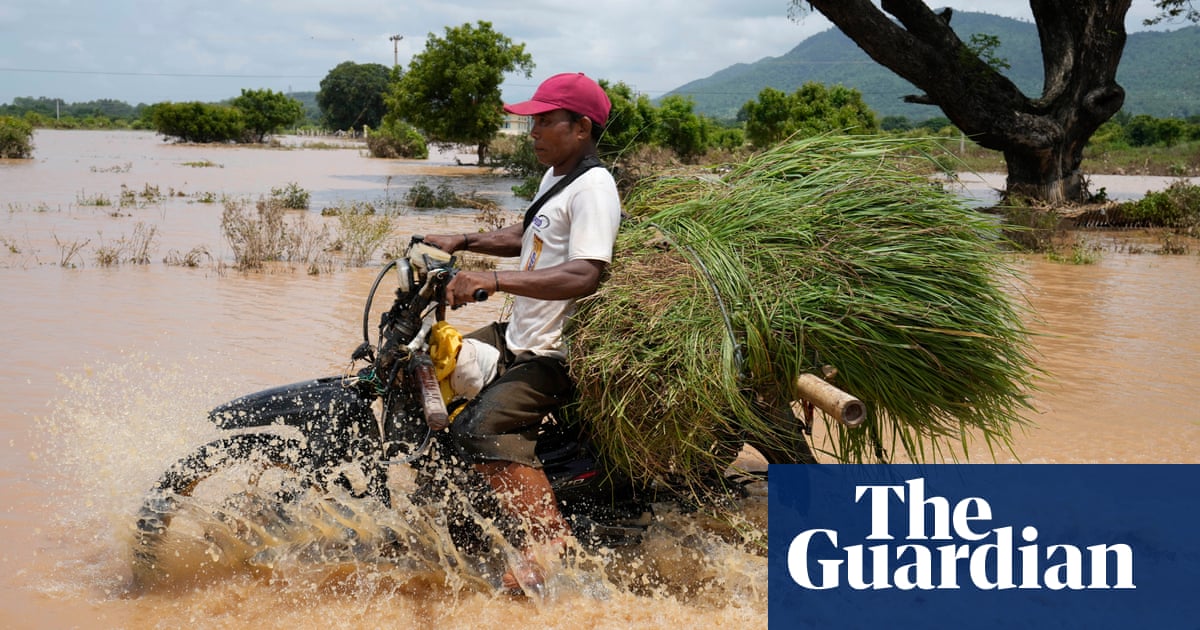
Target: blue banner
(984,546)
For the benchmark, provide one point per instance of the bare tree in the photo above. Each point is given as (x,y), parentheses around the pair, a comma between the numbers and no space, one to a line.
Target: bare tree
(1042,138)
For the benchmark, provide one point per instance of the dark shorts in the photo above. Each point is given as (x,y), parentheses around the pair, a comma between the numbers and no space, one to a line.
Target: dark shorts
(502,422)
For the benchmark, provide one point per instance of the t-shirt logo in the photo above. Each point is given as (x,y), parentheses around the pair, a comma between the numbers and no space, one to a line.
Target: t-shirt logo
(541,222)
(535,253)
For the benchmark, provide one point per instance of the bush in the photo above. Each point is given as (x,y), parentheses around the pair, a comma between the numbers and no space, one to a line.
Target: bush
(1177,206)
(292,197)
(255,236)
(515,157)
(16,138)
(421,195)
(199,122)
(397,139)
(361,235)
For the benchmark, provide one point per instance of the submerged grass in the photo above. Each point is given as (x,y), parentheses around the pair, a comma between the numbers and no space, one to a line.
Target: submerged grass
(828,250)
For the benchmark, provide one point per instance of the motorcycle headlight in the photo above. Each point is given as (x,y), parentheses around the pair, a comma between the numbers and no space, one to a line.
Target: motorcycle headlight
(404,277)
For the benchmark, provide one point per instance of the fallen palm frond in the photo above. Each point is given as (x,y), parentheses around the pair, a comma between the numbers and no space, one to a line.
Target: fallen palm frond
(828,250)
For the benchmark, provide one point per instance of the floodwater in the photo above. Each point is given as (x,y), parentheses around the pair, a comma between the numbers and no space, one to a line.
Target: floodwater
(108,371)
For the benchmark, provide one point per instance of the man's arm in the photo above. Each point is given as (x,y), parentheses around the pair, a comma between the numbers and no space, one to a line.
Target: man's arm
(572,279)
(503,242)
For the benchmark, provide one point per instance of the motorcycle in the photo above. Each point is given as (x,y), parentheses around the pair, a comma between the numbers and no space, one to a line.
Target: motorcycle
(345,437)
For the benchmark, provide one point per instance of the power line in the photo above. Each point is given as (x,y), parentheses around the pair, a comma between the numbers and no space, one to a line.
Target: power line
(162,74)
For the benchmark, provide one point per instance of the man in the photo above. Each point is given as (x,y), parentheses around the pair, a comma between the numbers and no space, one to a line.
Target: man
(564,248)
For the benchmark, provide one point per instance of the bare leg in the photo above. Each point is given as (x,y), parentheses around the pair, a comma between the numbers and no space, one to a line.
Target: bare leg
(525,492)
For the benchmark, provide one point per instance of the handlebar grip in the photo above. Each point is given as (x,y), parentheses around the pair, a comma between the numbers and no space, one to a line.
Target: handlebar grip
(481,295)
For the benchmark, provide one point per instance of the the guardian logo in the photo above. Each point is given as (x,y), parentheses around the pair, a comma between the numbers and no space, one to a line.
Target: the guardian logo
(940,545)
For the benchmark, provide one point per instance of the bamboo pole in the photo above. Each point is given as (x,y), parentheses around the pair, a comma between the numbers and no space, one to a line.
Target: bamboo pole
(836,403)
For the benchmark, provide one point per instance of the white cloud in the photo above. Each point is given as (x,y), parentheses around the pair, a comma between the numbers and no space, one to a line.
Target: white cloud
(129,45)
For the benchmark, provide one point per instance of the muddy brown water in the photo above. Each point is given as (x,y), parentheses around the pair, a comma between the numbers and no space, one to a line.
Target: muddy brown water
(107,373)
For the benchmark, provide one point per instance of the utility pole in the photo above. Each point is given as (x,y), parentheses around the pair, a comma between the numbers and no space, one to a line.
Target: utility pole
(395,39)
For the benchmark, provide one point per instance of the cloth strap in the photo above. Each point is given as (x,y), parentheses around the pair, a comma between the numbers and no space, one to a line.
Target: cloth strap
(587,163)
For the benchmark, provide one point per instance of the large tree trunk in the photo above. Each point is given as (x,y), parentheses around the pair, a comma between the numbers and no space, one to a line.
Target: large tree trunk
(1042,139)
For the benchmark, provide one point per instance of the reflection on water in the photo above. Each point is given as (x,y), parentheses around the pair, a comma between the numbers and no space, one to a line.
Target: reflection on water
(108,373)
(69,165)
(1121,342)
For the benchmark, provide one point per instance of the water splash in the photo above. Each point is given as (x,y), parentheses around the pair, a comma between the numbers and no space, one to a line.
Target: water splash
(331,559)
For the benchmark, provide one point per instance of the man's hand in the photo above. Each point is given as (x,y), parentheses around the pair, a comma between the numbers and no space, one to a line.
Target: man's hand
(448,243)
(463,286)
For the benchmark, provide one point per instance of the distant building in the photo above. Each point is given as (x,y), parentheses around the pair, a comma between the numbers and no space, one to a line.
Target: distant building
(515,125)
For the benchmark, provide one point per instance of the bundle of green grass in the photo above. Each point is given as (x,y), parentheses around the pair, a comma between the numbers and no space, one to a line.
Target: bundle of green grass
(832,250)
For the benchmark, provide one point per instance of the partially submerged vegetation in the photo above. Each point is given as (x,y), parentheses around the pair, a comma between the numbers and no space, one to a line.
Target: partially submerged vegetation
(423,196)
(1172,215)
(16,138)
(828,250)
(265,235)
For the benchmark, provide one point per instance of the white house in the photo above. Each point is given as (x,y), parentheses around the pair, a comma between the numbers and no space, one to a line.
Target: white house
(515,125)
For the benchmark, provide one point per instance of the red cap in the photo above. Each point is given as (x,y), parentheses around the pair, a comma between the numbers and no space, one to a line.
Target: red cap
(574,92)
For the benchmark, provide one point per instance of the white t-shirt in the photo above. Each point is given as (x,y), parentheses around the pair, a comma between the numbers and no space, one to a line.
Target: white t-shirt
(579,223)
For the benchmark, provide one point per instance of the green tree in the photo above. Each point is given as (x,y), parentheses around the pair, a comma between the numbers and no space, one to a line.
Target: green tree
(397,139)
(895,123)
(1145,131)
(451,90)
(199,122)
(768,119)
(16,138)
(265,112)
(631,122)
(836,108)
(810,110)
(680,128)
(351,95)
(724,136)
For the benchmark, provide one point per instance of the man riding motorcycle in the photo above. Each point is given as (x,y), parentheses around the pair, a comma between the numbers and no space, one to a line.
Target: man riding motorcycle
(564,245)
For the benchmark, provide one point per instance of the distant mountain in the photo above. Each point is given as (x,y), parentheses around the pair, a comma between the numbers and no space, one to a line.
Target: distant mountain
(1160,71)
(312,112)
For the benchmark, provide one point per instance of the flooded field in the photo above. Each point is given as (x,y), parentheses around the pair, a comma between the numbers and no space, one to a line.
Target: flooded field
(109,370)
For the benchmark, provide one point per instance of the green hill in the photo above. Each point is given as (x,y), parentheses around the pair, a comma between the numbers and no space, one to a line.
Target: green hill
(1160,71)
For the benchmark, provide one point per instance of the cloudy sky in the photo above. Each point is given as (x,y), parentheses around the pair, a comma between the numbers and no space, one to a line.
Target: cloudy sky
(147,51)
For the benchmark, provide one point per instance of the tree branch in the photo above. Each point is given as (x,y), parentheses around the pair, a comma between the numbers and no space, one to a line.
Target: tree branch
(924,50)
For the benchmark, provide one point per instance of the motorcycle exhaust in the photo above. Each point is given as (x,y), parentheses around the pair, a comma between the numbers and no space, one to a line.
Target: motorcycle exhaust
(431,394)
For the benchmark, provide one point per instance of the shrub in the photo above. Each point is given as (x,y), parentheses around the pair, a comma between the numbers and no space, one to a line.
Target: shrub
(422,196)
(1177,206)
(292,196)
(397,139)
(514,156)
(16,138)
(361,235)
(199,122)
(255,237)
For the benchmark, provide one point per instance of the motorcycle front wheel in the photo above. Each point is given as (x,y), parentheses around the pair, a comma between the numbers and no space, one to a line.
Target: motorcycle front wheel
(206,487)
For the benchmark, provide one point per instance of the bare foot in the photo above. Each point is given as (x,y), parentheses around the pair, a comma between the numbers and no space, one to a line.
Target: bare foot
(527,573)
(525,576)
